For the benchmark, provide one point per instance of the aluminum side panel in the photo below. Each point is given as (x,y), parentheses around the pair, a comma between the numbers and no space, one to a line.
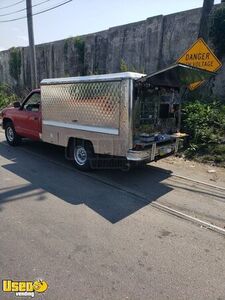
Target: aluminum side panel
(95,111)
(92,103)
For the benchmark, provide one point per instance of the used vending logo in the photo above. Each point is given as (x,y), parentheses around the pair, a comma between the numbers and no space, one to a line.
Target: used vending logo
(24,288)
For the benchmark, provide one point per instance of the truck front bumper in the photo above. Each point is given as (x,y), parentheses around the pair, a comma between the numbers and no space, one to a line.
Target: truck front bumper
(155,152)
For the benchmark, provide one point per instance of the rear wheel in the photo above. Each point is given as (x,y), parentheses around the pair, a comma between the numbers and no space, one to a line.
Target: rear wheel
(12,137)
(82,154)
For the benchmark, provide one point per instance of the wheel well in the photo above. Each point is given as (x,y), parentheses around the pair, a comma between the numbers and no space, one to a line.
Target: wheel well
(5,121)
(77,141)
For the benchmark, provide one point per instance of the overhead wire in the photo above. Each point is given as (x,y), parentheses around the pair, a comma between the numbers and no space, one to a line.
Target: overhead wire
(11,5)
(16,11)
(37,13)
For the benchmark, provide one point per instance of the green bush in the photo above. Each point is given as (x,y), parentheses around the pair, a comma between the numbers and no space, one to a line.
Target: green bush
(205,124)
(6,96)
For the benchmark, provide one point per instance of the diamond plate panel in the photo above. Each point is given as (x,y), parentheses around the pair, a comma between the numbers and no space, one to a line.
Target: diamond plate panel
(90,103)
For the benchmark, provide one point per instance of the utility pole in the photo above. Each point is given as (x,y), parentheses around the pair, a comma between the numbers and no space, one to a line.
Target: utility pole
(33,63)
(204,22)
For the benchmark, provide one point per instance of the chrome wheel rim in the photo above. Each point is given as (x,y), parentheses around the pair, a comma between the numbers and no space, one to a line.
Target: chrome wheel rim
(80,155)
(10,134)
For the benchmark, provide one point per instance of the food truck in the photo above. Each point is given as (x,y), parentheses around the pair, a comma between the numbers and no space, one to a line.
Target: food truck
(129,116)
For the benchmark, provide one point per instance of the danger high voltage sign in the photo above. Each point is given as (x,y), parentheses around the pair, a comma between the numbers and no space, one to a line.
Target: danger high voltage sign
(199,55)
(199,60)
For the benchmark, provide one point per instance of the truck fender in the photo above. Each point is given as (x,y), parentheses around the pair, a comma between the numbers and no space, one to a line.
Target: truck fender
(5,121)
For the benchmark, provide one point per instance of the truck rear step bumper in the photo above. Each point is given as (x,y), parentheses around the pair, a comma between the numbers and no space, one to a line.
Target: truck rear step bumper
(153,153)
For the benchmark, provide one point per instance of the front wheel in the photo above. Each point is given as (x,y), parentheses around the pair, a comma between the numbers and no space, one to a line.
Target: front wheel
(82,155)
(12,137)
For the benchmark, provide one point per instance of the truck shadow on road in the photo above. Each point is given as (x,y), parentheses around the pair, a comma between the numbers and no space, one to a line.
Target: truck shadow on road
(113,194)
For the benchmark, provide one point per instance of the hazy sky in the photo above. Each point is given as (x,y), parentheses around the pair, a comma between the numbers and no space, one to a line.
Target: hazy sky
(80,17)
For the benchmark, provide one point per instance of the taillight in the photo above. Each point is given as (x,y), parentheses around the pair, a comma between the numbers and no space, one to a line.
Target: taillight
(138,147)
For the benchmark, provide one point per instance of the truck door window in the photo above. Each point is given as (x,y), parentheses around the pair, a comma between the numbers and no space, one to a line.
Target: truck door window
(33,103)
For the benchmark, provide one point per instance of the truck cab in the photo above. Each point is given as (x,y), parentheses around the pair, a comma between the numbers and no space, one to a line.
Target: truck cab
(23,120)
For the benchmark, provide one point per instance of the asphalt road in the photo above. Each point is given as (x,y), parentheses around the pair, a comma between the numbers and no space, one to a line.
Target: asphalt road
(90,236)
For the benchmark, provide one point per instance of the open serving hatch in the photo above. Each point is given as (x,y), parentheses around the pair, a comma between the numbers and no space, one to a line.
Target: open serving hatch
(177,76)
(157,102)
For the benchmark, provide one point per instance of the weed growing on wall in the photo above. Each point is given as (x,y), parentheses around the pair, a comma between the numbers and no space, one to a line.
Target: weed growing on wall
(217,31)
(15,63)
(79,44)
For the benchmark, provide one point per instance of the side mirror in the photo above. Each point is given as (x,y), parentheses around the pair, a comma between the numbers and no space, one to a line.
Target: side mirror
(17,104)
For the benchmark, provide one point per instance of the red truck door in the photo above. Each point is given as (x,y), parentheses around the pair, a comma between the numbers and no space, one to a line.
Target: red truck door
(28,119)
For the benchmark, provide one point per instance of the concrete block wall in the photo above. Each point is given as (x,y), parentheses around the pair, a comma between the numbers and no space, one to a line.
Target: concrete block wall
(144,46)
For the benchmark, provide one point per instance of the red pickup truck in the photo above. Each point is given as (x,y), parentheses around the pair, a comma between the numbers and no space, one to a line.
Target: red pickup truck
(23,120)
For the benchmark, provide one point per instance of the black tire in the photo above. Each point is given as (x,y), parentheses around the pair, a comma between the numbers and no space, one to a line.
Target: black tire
(12,137)
(82,155)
